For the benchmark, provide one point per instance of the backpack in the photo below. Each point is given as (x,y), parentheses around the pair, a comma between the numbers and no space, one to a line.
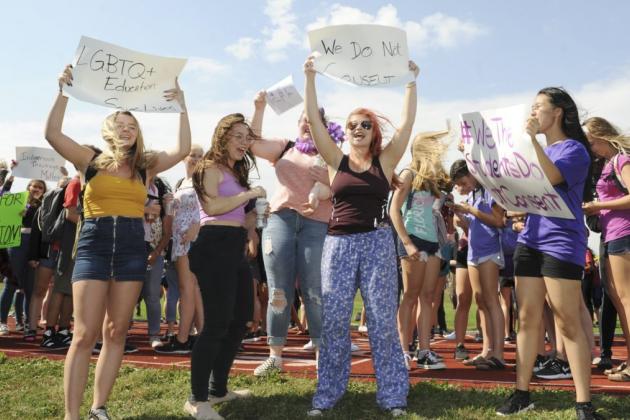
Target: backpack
(51,216)
(618,180)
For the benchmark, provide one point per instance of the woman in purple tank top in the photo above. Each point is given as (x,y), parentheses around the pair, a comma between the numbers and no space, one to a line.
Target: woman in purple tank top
(217,258)
(359,250)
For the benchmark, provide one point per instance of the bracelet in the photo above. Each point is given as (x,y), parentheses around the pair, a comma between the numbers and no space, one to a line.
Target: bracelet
(411,84)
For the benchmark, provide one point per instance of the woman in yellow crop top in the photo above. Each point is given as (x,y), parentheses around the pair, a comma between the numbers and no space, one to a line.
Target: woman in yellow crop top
(111,256)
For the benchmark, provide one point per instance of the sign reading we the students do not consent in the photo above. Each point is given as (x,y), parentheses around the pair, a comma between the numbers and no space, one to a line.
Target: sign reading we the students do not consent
(362,55)
(501,156)
(11,207)
(115,77)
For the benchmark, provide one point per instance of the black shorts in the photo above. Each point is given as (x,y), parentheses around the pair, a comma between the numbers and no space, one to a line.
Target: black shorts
(462,258)
(529,262)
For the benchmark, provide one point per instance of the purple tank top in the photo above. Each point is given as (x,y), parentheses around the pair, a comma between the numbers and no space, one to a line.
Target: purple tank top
(227,188)
(359,199)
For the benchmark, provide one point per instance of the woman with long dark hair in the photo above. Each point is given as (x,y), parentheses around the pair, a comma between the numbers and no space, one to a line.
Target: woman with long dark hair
(549,256)
(217,258)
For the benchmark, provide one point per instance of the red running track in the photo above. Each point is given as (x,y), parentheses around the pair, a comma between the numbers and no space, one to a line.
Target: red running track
(301,363)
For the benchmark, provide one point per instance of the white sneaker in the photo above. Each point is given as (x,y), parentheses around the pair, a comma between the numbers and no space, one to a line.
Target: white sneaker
(4,329)
(309,346)
(155,341)
(450,336)
(362,328)
(354,347)
(201,410)
(272,364)
(231,395)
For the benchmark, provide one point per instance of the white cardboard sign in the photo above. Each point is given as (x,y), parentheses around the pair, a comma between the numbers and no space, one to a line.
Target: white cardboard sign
(362,55)
(116,77)
(283,96)
(38,163)
(501,156)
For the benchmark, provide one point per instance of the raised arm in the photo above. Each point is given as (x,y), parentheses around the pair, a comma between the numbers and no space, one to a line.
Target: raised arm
(325,145)
(214,204)
(167,159)
(393,152)
(69,149)
(266,149)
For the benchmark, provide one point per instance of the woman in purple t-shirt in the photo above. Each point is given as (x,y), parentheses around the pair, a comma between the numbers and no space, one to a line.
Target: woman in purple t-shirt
(613,208)
(549,256)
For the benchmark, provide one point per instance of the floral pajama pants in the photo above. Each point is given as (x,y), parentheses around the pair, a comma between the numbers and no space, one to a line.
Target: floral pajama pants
(366,261)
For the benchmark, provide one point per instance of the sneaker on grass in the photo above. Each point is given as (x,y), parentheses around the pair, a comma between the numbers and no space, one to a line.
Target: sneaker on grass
(518,402)
(229,396)
(555,369)
(428,360)
(586,411)
(201,410)
(98,414)
(272,364)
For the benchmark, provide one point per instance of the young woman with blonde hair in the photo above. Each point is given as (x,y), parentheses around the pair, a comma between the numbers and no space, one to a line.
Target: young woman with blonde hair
(411,212)
(613,207)
(111,259)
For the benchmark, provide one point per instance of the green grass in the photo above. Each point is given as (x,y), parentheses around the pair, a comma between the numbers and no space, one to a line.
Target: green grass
(32,388)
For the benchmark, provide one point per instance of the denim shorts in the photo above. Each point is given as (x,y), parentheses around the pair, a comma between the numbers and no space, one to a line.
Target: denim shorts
(111,248)
(51,261)
(618,246)
(429,248)
(496,258)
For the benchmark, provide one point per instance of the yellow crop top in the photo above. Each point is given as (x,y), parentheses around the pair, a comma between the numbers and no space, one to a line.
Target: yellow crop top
(107,195)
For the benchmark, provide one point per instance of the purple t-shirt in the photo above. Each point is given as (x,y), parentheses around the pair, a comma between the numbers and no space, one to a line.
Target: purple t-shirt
(483,240)
(615,223)
(564,239)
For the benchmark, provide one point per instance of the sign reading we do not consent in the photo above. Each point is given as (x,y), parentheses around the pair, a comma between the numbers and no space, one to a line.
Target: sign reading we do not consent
(116,77)
(362,55)
(501,156)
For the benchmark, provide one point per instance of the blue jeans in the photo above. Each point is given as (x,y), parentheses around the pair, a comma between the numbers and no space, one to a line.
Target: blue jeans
(24,275)
(151,295)
(292,250)
(172,294)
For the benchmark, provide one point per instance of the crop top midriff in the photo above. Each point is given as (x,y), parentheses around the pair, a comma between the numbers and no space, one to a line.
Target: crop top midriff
(108,195)
(228,187)
(359,199)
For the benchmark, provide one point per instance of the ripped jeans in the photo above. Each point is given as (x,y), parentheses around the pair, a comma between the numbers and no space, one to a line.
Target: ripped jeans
(292,250)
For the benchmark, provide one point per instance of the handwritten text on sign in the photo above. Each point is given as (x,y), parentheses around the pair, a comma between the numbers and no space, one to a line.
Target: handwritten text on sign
(362,55)
(501,156)
(38,163)
(283,95)
(11,207)
(115,77)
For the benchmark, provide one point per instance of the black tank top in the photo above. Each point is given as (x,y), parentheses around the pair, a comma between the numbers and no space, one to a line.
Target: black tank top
(359,199)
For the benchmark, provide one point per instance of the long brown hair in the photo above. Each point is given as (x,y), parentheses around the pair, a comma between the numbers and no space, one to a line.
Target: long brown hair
(218,155)
(117,154)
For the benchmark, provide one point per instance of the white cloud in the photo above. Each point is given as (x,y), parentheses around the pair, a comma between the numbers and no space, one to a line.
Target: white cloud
(204,69)
(433,31)
(243,48)
(283,31)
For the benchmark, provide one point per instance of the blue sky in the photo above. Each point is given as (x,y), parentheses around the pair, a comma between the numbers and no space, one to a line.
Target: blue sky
(473,55)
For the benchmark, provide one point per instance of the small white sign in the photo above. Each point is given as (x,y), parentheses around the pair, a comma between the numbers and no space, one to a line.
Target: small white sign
(283,96)
(38,163)
(116,77)
(501,156)
(362,55)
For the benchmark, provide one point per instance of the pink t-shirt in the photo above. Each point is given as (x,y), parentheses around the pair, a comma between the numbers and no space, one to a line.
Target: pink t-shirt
(615,223)
(295,183)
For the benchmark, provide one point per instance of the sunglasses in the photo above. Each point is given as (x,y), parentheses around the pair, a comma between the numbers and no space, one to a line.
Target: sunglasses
(366,125)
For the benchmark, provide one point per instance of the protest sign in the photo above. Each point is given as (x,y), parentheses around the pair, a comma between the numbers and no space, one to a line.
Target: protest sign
(501,156)
(38,163)
(115,77)
(362,55)
(11,207)
(283,95)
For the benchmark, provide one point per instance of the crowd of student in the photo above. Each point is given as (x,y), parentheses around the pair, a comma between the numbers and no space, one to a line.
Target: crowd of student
(116,232)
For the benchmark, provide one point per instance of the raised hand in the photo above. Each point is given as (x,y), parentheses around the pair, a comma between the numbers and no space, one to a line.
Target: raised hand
(260,100)
(176,94)
(413,67)
(65,78)
(309,66)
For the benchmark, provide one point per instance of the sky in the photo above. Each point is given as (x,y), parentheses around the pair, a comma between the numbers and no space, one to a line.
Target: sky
(472,55)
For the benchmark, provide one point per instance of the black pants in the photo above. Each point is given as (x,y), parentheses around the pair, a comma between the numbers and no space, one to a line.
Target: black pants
(608,319)
(217,258)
